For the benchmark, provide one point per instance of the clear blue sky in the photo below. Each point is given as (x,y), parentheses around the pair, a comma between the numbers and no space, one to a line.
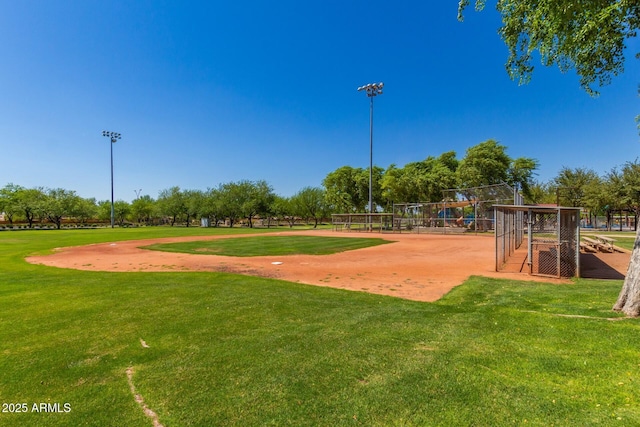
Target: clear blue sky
(207,92)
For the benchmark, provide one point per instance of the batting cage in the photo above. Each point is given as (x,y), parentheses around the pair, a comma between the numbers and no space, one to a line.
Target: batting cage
(551,234)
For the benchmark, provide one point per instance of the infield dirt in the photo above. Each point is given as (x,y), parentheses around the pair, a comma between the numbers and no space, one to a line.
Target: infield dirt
(421,267)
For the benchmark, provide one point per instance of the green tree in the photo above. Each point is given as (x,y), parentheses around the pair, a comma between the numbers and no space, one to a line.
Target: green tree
(484,164)
(421,181)
(9,203)
(142,209)
(58,204)
(194,201)
(211,206)
(310,204)
(282,208)
(440,174)
(376,193)
(84,210)
(230,200)
(257,198)
(31,202)
(630,183)
(400,185)
(588,36)
(540,193)
(171,203)
(345,189)
(597,198)
(520,174)
(571,185)
(618,195)
(104,210)
(121,211)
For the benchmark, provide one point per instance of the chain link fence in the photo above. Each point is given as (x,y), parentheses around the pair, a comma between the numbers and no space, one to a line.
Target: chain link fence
(460,210)
(552,236)
(554,241)
(509,233)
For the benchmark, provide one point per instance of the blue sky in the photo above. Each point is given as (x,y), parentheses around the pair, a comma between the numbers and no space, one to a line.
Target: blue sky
(207,92)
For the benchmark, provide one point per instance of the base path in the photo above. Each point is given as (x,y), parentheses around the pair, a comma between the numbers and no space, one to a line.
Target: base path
(421,267)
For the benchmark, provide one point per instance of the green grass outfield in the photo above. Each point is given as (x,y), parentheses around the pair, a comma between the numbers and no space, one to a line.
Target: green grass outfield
(233,350)
(625,242)
(270,245)
(623,239)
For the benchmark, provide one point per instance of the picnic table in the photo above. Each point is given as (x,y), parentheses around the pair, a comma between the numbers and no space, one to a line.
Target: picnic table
(607,242)
(598,244)
(589,245)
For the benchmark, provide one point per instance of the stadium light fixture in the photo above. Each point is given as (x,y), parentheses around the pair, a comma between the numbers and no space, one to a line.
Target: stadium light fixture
(113,136)
(372,90)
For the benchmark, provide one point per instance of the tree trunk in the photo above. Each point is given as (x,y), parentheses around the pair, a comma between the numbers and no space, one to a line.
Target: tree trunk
(620,221)
(629,298)
(29,219)
(57,220)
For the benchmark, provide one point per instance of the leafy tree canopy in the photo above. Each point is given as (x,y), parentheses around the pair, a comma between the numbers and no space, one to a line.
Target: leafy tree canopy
(588,35)
(484,164)
(572,184)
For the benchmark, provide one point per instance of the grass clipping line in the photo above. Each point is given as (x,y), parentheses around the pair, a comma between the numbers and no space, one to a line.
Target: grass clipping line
(138,398)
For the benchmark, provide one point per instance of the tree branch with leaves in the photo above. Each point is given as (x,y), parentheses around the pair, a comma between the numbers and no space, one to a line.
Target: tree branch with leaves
(588,36)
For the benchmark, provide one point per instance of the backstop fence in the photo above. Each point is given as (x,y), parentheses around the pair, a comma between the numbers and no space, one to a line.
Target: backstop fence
(460,210)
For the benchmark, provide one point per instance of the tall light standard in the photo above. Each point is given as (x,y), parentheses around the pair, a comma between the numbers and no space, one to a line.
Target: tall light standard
(114,136)
(372,89)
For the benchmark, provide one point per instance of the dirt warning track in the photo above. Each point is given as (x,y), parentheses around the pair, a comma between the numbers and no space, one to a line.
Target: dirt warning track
(421,267)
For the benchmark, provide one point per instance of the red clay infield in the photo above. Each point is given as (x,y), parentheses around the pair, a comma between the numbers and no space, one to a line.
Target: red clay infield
(421,267)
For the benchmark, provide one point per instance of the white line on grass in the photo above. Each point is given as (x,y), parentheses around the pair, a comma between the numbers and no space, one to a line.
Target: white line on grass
(138,398)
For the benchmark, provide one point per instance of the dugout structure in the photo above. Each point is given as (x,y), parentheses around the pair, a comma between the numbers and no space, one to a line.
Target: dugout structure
(539,240)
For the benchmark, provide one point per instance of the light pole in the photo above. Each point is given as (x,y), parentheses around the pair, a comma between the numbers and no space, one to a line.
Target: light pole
(372,89)
(114,136)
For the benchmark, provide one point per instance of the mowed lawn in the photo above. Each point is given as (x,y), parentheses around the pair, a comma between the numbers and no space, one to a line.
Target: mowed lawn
(215,349)
(270,245)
